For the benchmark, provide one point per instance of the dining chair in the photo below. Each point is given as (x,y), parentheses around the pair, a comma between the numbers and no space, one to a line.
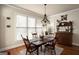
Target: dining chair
(42,39)
(51,46)
(30,48)
(34,35)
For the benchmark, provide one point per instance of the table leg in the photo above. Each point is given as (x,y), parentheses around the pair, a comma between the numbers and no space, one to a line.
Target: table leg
(41,48)
(37,51)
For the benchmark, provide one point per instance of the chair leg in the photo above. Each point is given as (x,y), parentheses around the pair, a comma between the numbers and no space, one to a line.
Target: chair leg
(26,52)
(44,50)
(51,52)
(30,53)
(41,48)
(54,52)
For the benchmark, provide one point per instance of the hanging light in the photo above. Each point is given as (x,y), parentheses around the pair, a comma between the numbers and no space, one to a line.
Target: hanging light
(45,21)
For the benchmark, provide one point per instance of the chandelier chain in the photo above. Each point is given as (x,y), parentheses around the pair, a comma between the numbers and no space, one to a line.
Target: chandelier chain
(45,7)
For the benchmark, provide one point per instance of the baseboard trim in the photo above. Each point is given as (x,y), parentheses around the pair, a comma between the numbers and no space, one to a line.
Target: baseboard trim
(75,44)
(10,47)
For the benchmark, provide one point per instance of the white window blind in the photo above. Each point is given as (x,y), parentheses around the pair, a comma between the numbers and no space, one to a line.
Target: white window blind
(26,26)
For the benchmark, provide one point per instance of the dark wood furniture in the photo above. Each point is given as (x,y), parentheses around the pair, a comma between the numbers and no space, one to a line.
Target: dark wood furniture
(39,43)
(34,35)
(64,33)
(65,27)
(51,46)
(29,46)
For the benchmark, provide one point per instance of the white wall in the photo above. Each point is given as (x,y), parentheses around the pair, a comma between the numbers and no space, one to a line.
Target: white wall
(73,15)
(8,35)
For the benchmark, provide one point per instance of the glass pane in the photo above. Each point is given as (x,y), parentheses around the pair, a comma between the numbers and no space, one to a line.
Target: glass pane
(20,31)
(21,21)
(30,31)
(38,24)
(39,31)
(31,22)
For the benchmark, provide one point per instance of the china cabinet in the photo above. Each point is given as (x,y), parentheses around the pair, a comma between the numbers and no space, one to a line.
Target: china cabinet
(64,33)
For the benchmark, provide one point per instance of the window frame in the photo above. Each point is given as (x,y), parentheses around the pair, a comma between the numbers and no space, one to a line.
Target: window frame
(36,27)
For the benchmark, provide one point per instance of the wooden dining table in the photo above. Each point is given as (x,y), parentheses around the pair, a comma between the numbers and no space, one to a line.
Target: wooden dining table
(40,42)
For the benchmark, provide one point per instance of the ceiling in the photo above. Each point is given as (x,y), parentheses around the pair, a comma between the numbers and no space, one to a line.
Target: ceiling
(51,9)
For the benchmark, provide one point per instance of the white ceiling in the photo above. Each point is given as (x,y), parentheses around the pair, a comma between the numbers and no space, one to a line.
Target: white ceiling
(51,9)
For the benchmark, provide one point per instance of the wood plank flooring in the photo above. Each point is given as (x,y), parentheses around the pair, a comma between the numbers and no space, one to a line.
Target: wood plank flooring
(68,50)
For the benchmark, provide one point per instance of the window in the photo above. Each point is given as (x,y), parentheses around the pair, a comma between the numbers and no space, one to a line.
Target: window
(26,26)
(21,21)
(31,22)
(31,26)
(21,26)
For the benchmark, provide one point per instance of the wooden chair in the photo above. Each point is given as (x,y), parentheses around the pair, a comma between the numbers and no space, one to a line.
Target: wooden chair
(51,46)
(34,35)
(42,39)
(29,47)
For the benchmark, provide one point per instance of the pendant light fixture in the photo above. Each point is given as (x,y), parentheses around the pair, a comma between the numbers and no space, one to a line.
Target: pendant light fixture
(45,21)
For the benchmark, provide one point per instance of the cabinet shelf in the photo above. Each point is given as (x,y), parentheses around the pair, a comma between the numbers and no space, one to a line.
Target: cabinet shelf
(66,25)
(64,33)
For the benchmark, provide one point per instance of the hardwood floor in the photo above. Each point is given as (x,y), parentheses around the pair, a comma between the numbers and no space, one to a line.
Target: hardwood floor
(73,50)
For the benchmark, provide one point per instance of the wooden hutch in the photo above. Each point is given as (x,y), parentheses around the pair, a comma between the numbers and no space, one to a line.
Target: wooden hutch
(64,33)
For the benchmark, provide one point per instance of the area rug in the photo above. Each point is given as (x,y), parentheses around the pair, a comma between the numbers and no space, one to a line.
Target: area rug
(58,50)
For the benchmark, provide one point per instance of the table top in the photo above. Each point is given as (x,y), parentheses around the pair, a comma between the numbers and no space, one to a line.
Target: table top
(41,42)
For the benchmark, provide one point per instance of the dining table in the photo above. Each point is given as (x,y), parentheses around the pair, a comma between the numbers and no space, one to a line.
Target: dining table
(39,42)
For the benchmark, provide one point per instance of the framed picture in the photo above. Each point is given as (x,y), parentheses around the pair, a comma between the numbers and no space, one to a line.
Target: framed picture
(8,26)
(63,17)
(8,18)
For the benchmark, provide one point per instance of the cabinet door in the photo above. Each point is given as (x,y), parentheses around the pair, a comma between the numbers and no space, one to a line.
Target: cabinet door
(64,38)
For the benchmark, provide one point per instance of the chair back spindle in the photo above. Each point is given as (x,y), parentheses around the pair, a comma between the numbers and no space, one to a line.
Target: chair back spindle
(26,41)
